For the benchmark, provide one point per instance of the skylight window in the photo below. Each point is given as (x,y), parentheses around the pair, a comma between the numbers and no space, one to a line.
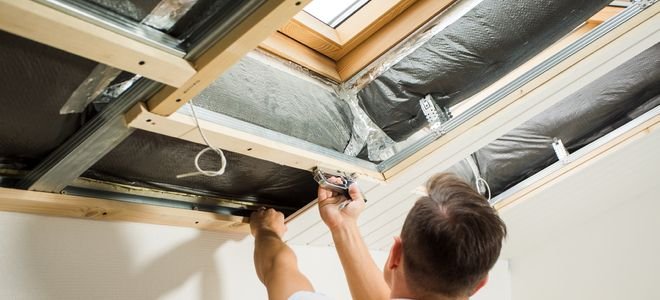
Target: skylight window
(334,12)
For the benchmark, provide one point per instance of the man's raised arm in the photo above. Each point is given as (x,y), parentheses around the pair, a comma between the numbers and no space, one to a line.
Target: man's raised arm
(365,279)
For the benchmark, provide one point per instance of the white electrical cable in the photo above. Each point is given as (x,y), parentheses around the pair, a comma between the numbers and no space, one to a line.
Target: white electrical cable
(200,171)
(478,179)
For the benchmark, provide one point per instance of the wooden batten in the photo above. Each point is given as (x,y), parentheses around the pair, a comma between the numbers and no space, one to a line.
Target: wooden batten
(226,52)
(49,26)
(231,139)
(59,205)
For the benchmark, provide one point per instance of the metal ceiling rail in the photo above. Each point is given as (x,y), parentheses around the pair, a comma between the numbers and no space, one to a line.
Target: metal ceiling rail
(119,24)
(108,128)
(89,144)
(118,192)
(643,122)
(519,82)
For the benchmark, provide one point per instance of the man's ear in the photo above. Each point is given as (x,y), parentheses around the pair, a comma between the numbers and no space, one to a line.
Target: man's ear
(480,285)
(396,254)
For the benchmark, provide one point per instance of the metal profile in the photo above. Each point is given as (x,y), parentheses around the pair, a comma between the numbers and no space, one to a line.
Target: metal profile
(107,129)
(89,144)
(205,37)
(518,83)
(582,152)
(131,194)
(117,24)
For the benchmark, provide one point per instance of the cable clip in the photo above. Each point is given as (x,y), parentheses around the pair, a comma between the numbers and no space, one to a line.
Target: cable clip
(560,150)
(436,116)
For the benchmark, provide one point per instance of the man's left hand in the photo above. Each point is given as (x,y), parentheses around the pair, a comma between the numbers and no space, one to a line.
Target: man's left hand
(267,220)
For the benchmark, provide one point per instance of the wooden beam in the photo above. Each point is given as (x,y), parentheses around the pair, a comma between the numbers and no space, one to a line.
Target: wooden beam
(389,35)
(289,49)
(227,51)
(239,141)
(59,205)
(49,26)
(639,131)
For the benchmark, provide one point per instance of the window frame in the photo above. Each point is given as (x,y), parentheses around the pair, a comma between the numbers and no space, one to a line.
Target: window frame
(339,53)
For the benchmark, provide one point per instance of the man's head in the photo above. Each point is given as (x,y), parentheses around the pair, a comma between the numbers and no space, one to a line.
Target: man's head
(450,240)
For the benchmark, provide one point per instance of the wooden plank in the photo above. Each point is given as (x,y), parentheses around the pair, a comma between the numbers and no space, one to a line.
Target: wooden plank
(289,49)
(640,131)
(183,127)
(227,51)
(46,25)
(59,205)
(389,35)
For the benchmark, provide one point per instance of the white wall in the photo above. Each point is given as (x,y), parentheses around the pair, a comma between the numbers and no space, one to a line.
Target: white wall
(58,258)
(614,256)
(499,284)
(593,235)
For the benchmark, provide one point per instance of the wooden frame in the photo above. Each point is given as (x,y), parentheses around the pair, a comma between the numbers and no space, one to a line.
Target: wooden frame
(357,42)
(60,205)
(233,139)
(226,52)
(340,53)
(49,26)
(336,42)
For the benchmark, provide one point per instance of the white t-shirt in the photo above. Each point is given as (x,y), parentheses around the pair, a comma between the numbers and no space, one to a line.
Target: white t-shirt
(303,295)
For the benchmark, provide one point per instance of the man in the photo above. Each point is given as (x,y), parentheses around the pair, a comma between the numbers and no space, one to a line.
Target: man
(449,241)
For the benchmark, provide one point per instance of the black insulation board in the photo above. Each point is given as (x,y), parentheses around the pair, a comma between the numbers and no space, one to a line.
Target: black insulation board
(35,81)
(254,91)
(486,43)
(602,106)
(145,158)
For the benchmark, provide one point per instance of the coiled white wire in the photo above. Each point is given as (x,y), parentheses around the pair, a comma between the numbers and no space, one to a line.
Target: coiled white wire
(200,171)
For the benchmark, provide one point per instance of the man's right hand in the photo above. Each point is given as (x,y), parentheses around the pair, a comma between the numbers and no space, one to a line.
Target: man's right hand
(330,202)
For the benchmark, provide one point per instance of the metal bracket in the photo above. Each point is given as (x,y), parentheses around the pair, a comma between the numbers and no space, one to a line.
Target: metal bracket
(644,3)
(560,150)
(435,115)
